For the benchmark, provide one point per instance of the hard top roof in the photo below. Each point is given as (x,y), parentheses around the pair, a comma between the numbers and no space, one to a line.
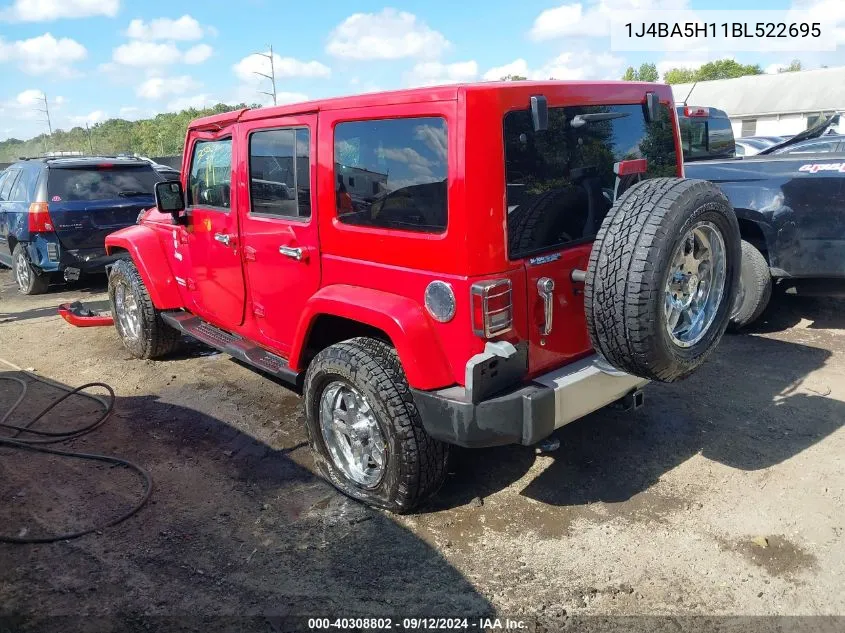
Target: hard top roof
(410,95)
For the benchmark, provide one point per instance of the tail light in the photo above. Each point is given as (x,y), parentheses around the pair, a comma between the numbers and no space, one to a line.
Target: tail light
(492,307)
(692,111)
(39,218)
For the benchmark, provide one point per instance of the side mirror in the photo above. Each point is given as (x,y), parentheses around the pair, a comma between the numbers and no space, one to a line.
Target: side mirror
(170,198)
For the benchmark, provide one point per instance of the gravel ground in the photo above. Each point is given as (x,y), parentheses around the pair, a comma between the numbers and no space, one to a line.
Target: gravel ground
(724,495)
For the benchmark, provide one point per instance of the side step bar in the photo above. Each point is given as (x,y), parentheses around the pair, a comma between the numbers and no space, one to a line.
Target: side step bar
(242,349)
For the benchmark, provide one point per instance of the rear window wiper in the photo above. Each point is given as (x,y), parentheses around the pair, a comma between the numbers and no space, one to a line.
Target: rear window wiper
(580,120)
(133,194)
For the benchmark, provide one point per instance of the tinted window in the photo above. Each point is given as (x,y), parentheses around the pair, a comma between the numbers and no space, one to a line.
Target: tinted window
(721,137)
(6,183)
(391,173)
(211,174)
(92,183)
(818,147)
(20,190)
(561,181)
(280,172)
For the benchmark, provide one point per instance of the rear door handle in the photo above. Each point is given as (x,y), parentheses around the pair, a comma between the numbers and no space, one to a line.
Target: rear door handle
(545,288)
(294,252)
(223,238)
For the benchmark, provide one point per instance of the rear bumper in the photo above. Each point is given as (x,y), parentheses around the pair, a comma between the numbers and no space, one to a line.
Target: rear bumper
(528,414)
(48,254)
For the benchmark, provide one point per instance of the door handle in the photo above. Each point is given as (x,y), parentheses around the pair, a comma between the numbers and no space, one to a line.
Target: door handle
(294,252)
(545,288)
(223,238)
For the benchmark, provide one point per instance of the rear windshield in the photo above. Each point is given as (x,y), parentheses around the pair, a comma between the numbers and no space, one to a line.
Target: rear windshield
(100,183)
(561,181)
(706,138)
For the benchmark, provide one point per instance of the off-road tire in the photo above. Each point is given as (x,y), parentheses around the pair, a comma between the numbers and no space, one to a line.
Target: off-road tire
(415,463)
(626,279)
(37,282)
(157,339)
(755,288)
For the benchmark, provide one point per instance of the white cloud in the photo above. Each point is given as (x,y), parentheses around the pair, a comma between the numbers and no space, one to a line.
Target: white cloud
(575,19)
(579,65)
(198,54)
(44,54)
(668,64)
(29,97)
(146,54)
(284,67)
(433,73)
(198,102)
(390,34)
(832,12)
(185,28)
(516,67)
(97,116)
(160,87)
(48,10)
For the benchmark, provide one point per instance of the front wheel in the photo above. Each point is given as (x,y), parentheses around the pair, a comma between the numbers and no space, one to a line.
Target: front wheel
(364,429)
(136,319)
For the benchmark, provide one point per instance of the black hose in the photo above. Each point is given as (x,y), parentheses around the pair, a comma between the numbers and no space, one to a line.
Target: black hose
(50,437)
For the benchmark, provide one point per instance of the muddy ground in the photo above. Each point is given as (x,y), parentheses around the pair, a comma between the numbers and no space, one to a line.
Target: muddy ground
(724,495)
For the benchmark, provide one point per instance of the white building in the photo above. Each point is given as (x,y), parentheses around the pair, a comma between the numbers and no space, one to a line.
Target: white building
(770,105)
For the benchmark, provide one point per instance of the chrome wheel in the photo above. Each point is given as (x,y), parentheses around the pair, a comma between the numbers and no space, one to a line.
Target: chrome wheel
(127,312)
(352,434)
(695,284)
(22,273)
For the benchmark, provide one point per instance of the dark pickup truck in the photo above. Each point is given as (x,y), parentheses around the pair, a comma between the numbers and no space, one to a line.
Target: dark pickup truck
(791,211)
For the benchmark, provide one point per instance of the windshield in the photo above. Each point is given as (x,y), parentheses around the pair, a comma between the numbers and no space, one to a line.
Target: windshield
(561,181)
(91,183)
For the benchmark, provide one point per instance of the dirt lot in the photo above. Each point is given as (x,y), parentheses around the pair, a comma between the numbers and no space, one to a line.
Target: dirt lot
(664,511)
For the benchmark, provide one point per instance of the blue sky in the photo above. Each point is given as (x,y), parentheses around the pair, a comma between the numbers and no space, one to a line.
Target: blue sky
(97,59)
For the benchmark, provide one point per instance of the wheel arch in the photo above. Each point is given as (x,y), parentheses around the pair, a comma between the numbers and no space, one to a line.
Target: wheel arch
(142,246)
(753,233)
(340,312)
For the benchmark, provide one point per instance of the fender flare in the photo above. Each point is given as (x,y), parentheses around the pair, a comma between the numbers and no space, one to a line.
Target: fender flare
(402,319)
(145,249)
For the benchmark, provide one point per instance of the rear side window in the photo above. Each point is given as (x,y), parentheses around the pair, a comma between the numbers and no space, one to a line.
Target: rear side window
(392,173)
(210,180)
(20,190)
(7,180)
(70,184)
(280,172)
(561,182)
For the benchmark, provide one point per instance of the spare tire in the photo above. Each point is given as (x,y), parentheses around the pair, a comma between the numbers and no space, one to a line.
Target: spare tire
(662,278)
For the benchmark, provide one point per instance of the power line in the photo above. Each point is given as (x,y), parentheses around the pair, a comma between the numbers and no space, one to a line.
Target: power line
(46,111)
(271,76)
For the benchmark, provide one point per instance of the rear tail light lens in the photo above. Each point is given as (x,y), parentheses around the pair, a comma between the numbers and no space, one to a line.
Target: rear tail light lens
(492,307)
(39,218)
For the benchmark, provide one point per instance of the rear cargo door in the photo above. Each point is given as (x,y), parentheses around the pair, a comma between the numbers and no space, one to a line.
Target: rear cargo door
(561,183)
(87,202)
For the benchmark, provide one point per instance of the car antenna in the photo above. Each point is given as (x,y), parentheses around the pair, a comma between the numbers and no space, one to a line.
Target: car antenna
(694,84)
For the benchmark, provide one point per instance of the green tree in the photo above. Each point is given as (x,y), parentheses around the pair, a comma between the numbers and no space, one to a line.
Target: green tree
(679,76)
(793,67)
(646,72)
(162,135)
(719,69)
(513,78)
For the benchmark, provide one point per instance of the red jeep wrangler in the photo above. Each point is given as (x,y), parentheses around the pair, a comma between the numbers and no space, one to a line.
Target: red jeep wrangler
(474,265)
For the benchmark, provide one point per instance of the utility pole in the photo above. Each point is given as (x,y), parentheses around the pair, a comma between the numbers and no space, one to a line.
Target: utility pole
(271,76)
(46,111)
(90,144)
